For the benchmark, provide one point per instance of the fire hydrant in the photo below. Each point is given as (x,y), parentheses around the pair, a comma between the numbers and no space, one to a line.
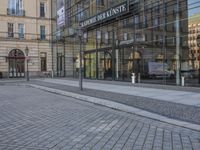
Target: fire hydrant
(133,78)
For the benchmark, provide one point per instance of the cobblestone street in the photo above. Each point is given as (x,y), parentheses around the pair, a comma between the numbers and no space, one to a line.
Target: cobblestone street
(31,119)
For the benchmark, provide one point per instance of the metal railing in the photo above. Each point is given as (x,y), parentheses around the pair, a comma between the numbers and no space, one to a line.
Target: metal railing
(15,12)
(23,36)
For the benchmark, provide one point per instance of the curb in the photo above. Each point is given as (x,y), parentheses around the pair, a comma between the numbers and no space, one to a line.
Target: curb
(119,106)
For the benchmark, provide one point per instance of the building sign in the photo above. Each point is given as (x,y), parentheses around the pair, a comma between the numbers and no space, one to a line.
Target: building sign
(109,14)
(198,40)
(60,13)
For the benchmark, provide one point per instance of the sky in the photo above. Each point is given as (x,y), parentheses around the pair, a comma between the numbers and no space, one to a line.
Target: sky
(193,7)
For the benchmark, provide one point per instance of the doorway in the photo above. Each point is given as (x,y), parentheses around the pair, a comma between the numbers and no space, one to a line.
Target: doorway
(16,64)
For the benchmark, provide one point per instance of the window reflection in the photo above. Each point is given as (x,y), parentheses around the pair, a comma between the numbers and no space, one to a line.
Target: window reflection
(153,35)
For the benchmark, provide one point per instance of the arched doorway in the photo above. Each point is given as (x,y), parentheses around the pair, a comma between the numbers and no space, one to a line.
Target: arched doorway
(16,60)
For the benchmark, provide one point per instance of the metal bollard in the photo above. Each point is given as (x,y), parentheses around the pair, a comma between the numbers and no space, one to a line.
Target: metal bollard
(182,81)
(139,77)
(52,75)
(133,78)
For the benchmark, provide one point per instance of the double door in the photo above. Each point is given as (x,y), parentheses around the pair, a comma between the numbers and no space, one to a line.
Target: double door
(16,68)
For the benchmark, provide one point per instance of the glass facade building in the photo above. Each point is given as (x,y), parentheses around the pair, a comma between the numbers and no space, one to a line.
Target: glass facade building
(157,40)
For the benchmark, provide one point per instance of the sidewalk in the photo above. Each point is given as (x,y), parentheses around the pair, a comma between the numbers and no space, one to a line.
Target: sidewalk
(178,105)
(181,97)
(171,104)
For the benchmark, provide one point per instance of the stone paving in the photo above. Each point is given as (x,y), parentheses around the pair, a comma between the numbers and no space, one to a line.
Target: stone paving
(181,97)
(31,119)
(170,109)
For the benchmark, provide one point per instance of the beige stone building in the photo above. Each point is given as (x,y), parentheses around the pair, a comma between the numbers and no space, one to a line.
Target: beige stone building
(194,32)
(25,23)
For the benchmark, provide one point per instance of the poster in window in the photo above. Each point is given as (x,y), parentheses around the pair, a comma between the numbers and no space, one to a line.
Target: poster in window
(60,13)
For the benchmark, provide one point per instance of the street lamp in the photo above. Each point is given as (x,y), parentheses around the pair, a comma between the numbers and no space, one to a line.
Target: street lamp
(27,71)
(80,35)
(178,60)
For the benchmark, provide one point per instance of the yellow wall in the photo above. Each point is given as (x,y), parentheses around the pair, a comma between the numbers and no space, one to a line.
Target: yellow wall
(32,23)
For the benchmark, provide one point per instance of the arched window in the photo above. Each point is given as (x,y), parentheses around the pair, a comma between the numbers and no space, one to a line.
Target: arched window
(16,53)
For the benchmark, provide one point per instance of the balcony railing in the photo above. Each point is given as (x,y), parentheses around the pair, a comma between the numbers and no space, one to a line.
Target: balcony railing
(15,12)
(24,36)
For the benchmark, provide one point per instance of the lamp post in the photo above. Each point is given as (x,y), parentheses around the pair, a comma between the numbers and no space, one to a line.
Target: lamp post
(80,35)
(178,60)
(27,71)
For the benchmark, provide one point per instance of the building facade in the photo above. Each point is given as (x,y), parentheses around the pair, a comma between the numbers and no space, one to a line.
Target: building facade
(194,33)
(25,24)
(121,37)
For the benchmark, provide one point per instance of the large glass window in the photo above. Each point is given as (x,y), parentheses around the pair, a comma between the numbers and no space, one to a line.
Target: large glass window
(100,5)
(10,30)
(101,64)
(42,9)
(68,13)
(90,65)
(15,7)
(21,30)
(81,11)
(42,33)
(100,2)
(156,40)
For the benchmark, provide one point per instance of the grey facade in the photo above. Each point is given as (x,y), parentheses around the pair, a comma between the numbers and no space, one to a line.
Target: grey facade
(123,37)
